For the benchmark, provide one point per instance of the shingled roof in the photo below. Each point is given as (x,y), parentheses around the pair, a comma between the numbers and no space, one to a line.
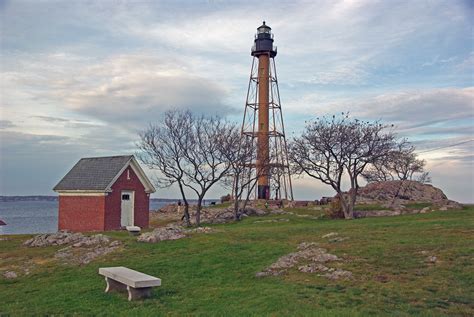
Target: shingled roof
(98,173)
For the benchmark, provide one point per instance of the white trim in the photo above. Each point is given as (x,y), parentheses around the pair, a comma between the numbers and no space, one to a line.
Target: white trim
(149,188)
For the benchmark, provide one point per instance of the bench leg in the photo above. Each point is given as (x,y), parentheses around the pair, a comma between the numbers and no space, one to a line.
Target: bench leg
(138,293)
(113,285)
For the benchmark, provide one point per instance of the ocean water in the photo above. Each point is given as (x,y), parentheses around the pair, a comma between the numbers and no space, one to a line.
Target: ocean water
(23,217)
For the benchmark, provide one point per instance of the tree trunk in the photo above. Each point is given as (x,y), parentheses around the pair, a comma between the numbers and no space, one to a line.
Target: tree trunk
(347,206)
(236,208)
(186,214)
(198,212)
(186,206)
(236,197)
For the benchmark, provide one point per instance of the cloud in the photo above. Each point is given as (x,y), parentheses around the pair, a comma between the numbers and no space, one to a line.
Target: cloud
(5,124)
(51,119)
(34,163)
(410,110)
(128,89)
(412,107)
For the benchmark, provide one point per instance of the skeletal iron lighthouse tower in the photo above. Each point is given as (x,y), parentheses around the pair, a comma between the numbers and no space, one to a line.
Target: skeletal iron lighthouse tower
(262,125)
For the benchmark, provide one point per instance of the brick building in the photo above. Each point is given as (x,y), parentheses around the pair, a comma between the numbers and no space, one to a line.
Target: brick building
(104,193)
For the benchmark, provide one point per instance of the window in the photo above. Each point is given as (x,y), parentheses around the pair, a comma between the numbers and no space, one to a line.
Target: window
(125,197)
(128,174)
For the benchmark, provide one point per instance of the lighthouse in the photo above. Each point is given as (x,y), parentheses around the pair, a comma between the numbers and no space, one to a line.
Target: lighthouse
(262,125)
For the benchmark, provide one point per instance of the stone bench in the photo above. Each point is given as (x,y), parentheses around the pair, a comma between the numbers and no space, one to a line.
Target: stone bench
(137,284)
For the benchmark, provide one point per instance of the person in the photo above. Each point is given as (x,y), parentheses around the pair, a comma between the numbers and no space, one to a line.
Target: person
(179,206)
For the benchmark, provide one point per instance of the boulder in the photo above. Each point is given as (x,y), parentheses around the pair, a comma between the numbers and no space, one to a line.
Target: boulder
(330,235)
(58,238)
(307,251)
(10,275)
(394,194)
(80,249)
(338,274)
(162,234)
(250,211)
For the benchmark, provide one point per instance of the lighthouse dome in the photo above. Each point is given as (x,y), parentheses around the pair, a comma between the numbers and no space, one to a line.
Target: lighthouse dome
(263,28)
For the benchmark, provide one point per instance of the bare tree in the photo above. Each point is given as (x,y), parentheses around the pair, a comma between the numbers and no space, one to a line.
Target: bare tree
(331,148)
(240,177)
(400,164)
(211,141)
(163,146)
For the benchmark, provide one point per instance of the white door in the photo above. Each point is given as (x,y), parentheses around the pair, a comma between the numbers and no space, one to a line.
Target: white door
(126,215)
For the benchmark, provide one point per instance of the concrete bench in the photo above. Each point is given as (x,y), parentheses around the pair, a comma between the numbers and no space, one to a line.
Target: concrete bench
(137,284)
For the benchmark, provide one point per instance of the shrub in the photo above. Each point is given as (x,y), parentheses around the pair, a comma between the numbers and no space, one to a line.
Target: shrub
(225,198)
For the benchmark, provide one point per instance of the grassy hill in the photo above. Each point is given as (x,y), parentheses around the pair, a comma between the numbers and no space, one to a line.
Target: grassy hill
(214,274)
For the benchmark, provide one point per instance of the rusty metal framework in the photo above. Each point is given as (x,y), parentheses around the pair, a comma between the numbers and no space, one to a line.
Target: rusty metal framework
(279,176)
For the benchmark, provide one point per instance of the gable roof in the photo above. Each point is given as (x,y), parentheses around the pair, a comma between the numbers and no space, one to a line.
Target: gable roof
(98,174)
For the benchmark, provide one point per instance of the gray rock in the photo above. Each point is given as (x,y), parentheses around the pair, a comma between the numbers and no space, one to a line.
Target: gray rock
(199,230)
(425,210)
(431,259)
(330,235)
(162,234)
(51,239)
(254,211)
(80,249)
(10,275)
(306,251)
(312,268)
(338,274)
(115,243)
(306,245)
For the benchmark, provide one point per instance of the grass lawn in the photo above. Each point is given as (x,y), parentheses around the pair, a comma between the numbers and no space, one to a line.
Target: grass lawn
(214,274)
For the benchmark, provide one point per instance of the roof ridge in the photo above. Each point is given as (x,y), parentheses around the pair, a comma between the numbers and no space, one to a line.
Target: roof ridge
(98,157)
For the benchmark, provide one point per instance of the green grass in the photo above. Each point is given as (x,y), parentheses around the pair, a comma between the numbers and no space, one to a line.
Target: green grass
(220,205)
(368,207)
(214,274)
(418,205)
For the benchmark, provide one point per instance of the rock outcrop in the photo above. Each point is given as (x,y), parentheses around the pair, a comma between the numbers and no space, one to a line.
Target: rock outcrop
(171,232)
(307,252)
(405,192)
(162,234)
(57,238)
(80,249)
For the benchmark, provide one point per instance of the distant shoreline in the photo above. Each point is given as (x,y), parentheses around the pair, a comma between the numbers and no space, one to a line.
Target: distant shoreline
(55,198)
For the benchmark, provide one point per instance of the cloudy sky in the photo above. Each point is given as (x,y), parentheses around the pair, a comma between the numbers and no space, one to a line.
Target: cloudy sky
(81,78)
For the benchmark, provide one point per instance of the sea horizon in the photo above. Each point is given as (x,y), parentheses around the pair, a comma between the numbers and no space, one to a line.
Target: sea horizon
(35,216)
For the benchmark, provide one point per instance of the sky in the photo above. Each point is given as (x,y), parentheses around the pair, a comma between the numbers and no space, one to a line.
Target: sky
(83,78)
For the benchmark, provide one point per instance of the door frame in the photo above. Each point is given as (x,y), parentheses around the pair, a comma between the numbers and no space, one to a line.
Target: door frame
(132,198)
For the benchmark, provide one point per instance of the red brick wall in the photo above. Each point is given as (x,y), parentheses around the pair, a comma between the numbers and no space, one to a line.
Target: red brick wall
(81,213)
(114,200)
